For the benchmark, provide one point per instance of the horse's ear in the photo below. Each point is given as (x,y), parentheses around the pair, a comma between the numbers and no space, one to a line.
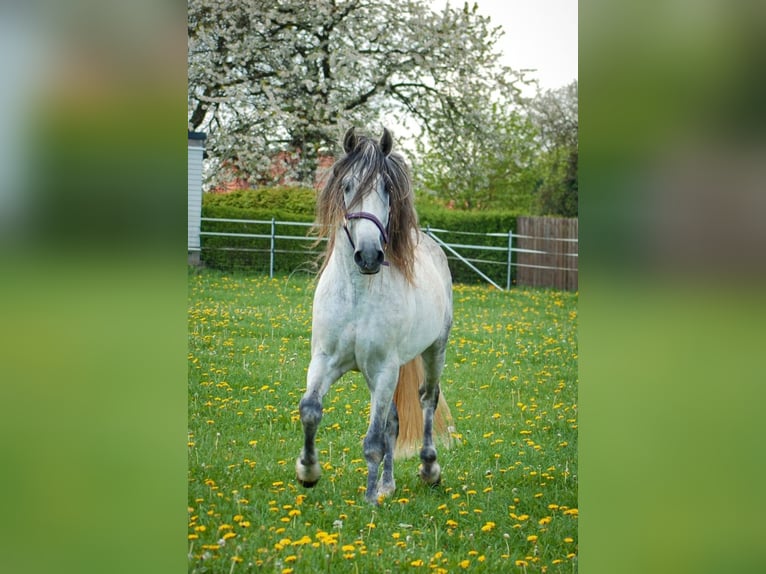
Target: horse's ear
(386,142)
(349,141)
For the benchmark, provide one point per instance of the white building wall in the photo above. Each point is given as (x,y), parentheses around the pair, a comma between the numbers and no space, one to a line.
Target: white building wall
(195,149)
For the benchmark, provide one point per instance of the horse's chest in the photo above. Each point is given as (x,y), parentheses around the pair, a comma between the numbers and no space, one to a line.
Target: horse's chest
(347,327)
(350,326)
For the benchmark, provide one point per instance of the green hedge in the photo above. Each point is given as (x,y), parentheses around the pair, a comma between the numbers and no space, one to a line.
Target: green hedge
(297,204)
(298,201)
(253,253)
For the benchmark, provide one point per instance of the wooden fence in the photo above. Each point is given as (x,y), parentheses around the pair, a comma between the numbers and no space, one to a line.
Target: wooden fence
(547,252)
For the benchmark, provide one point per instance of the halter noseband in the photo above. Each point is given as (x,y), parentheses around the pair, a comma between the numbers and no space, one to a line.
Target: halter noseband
(369,217)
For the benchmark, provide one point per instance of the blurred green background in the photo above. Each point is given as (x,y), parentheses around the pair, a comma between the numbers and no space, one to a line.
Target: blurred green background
(93,289)
(671,280)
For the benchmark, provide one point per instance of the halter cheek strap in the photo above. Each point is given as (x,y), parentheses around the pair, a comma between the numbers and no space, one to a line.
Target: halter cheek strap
(368,217)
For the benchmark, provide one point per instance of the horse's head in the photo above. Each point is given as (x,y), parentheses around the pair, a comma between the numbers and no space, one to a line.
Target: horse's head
(367,199)
(369,196)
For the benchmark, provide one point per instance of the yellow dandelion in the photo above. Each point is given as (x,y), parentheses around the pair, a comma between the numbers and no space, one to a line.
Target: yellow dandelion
(521,563)
(488,526)
(416,563)
(532,538)
(291,558)
(464,563)
(301,541)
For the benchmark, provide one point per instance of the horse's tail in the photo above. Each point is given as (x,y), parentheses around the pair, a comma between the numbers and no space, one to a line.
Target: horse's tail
(407,401)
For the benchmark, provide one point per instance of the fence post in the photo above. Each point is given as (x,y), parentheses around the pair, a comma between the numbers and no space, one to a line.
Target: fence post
(510,252)
(271,251)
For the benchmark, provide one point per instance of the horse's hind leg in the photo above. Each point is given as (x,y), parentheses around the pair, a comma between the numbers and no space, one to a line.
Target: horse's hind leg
(320,376)
(433,362)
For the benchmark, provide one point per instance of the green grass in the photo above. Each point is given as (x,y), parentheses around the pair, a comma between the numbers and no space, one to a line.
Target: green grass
(508,497)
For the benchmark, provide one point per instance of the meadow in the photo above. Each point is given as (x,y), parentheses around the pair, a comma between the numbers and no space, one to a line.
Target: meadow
(508,497)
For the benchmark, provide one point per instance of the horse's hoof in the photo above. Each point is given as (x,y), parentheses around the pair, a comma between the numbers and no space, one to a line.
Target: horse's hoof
(307,483)
(386,490)
(431,476)
(307,476)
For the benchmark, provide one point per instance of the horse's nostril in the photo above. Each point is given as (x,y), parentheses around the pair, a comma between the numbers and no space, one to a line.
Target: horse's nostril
(369,261)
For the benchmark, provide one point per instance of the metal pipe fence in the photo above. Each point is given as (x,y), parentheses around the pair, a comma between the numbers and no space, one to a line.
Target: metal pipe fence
(456,252)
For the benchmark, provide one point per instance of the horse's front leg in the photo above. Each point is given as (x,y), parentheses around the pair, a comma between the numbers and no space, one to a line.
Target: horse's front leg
(387,484)
(381,435)
(321,375)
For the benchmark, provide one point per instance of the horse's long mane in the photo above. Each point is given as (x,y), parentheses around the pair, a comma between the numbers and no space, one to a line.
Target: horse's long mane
(366,155)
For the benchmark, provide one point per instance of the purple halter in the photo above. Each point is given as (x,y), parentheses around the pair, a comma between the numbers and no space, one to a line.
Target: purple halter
(368,217)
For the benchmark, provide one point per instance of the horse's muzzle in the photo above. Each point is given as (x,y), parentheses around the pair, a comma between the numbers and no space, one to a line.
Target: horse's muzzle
(369,260)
